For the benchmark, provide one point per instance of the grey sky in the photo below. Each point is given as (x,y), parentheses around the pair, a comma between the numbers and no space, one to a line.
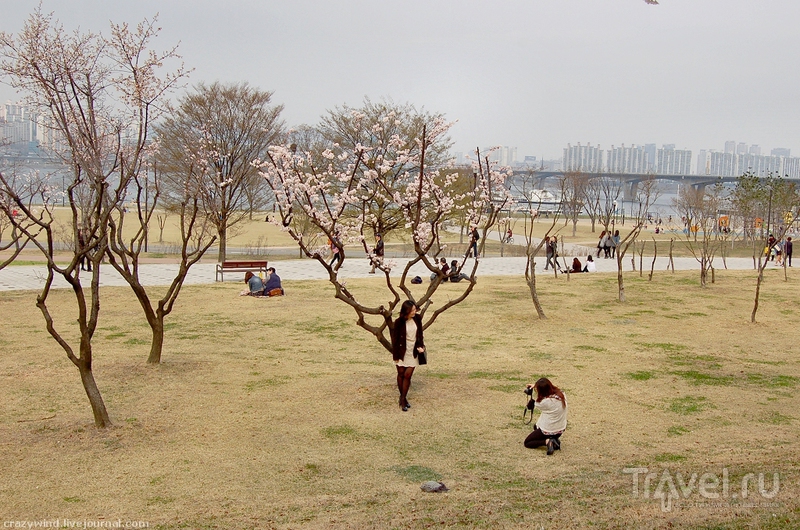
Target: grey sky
(532,74)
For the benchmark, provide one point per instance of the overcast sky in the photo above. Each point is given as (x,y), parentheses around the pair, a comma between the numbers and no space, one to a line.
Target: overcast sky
(533,74)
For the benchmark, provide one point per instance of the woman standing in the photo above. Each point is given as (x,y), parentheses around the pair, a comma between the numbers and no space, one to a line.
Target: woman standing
(407,342)
(552,403)
(601,242)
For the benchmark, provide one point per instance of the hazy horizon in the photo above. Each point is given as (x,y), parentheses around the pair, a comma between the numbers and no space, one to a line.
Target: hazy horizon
(533,75)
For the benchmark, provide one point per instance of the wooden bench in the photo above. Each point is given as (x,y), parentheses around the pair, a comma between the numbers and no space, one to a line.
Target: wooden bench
(240,266)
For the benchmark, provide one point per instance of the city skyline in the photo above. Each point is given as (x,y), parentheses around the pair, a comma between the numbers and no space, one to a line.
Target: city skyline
(25,133)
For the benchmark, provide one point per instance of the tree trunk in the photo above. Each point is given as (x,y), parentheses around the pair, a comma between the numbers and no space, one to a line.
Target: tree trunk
(99,411)
(758,292)
(157,343)
(534,294)
(620,280)
(223,243)
(671,263)
(653,265)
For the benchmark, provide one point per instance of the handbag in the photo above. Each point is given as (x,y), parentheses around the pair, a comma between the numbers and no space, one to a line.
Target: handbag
(422,357)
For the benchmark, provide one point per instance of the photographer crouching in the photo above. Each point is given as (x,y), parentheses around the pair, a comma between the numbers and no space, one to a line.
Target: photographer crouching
(552,404)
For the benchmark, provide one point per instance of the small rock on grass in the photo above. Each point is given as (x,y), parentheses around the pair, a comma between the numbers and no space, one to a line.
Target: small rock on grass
(433,487)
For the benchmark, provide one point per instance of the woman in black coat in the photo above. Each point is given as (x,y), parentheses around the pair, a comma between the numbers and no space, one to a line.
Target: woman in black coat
(407,343)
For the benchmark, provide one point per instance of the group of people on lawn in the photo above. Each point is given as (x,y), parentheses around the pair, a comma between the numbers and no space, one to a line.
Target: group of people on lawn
(258,287)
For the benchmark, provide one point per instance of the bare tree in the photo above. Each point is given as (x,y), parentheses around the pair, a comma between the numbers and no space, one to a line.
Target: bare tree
(700,208)
(782,206)
(96,95)
(227,126)
(531,205)
(126,246)
(610,189)
(592,199)
(646,194)
(573,194)
(422,196)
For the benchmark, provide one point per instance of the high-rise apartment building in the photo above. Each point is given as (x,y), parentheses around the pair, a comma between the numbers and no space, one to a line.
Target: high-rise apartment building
(671,161)
(737,159)
(650,153)
(781,151)
(703,161)
(503,155)
(583,158)
(18,126)
(626,159)
(791,167)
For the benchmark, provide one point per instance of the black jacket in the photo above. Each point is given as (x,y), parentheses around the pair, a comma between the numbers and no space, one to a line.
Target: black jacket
(399,338)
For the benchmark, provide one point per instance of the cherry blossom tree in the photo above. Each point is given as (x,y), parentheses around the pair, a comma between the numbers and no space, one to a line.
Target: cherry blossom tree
(378,127)
(334,190)
(98,96)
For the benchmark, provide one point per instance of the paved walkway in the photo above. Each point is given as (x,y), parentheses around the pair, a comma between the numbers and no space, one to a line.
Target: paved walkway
(32,277)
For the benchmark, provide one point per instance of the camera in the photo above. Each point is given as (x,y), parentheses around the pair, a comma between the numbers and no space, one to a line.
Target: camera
(527,412)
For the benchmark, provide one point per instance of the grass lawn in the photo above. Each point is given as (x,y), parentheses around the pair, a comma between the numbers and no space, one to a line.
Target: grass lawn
(281,413)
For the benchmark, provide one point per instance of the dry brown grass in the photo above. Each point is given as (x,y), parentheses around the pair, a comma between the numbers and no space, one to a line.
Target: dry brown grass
(281,413)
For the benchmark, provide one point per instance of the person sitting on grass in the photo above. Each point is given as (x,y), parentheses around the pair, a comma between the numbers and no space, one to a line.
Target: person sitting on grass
(273,284)
(590,265)
(455,274)
(255,287)
(576,266)
(445,270)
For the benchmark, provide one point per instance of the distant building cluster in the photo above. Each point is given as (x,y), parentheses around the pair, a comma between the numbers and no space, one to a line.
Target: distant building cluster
(18,126)
(24,132)
(628,159)
(735,160)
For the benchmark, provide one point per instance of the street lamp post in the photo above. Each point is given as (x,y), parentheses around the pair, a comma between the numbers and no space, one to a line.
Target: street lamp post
(614,220)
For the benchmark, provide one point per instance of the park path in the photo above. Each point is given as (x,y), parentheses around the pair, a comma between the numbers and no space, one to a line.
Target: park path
(32,277)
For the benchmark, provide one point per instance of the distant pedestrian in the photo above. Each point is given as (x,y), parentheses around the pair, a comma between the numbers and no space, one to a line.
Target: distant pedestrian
(336,252)
(474,236)
(377,253)
(787,250)
(615,243)
(601,242)
(83,251)
(548,250)
(554,244)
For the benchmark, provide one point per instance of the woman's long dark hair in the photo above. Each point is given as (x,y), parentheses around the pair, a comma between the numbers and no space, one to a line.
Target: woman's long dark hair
(405,309)
(544,388)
